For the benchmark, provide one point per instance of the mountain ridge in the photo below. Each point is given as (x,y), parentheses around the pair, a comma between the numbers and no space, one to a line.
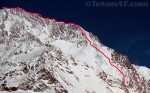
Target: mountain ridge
(36,45)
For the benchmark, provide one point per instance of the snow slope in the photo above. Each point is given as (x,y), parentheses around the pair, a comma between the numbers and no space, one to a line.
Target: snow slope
(45,56)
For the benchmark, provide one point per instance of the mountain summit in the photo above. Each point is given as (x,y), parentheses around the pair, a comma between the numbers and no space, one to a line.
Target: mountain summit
(46,56)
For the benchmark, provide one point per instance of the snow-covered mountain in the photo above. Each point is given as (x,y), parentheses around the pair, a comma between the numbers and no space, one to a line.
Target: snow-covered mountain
(46,56)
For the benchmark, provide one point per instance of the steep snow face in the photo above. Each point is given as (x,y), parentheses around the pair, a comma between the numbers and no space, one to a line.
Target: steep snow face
(1,11)
(46,56)
(143,71)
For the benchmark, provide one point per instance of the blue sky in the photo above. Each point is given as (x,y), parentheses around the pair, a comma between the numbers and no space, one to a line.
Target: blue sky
(125,29)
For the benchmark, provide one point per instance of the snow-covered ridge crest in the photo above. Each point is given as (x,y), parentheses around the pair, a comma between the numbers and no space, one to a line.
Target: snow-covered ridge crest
(47,56)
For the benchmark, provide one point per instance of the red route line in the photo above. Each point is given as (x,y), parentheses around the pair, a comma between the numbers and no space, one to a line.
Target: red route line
(123,79)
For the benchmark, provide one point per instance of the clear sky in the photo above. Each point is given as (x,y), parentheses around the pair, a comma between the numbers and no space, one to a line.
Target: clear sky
(125,29)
